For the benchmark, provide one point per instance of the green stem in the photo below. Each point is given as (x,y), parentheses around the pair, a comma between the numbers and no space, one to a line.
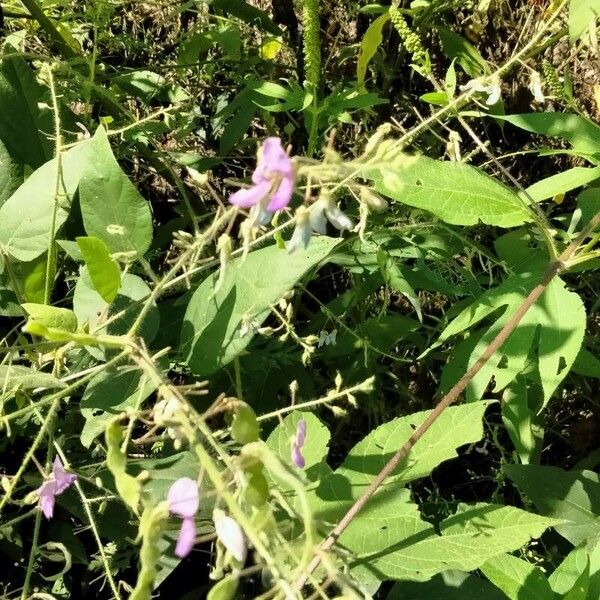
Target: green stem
(57,183)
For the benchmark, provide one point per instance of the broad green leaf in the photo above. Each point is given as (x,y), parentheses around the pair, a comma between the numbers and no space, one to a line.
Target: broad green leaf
(112,208)
(572,496)
(571,579)
(455,47)
(26,217)
(92,309)
(448,585)
(108,394)
(249,14)
(32,278)
(11,174)
(26,128)
(517,578)
(219,321)
(455,192)
(436,98)
(103,269)
(9,304)
(581,133)
(391,540)
(16,376)
(368,47)
(562,183)
(587,364)
(555,324)
(456,426)
(52,316)
(582,13)
(589,203)
(520,418)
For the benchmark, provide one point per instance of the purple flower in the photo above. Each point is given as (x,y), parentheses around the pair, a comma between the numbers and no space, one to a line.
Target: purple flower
(59,481)
(297,443)
(183,501)
(273,179)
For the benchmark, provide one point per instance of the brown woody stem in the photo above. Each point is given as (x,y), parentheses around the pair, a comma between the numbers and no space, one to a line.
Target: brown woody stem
(553,269)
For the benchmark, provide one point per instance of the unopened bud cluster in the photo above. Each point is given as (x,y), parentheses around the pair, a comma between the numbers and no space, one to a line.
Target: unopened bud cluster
(551,77)
(411,41)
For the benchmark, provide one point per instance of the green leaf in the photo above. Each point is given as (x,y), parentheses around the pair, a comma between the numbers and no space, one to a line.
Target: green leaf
(11,174)
(581,133)
(457,48)
(520,418)
(26,129)
(589,203)
(554,325)
(52,316)
(108,394)
(103,270)
(148,85)
(448,585)
(216,318)
(587,364)
(455,192)
(112,208)
(562,182)
(517,578)
(26,217)
(582,13)
(16,376)
(435,98)
(572,496)
(249,14)
(571,579)
(92,309)
(371,40)
(392,541)
(456,426)
(9,303)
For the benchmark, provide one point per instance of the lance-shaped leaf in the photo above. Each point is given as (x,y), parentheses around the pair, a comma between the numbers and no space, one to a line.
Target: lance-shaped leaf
(455,192)
(552,328)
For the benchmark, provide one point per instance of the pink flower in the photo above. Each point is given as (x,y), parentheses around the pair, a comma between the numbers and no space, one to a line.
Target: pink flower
(183,501)
(59,481)
(297,443)
(273,179)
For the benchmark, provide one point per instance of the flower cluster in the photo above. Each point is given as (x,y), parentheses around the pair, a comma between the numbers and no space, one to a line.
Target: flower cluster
(272,183)
(493,89)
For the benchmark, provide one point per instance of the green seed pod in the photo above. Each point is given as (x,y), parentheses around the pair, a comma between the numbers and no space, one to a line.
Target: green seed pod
(256,491)
(244,427)
(224,589)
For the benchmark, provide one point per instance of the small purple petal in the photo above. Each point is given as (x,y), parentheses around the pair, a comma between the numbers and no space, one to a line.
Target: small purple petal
(282,196)
(272,159)
(183,498)
(301,433)
(247,197)
(186,537)
(62,479)
(297,457)
(47,493)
